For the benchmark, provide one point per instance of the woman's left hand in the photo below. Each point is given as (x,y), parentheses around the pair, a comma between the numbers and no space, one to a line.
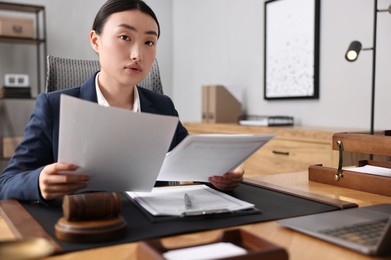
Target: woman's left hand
(228,181)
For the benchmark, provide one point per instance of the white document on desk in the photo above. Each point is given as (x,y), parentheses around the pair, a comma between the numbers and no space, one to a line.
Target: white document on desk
(170,200)
(200,156)
(120,150)
(371,169)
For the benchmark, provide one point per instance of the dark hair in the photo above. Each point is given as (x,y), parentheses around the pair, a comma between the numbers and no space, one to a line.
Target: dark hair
(115,6)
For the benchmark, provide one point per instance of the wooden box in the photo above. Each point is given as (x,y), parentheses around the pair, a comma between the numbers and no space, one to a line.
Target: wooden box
(351,178)
(256,247)
(16,27)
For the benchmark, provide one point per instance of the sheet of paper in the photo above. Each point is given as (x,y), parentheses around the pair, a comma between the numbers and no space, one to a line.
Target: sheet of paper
(200,156)
(120,150)
(204,252)
(370,169)
(171,200)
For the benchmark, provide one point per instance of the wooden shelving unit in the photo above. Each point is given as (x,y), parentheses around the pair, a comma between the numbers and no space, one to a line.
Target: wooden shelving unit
(39,39)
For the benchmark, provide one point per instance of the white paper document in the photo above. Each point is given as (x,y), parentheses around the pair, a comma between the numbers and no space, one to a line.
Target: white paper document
(205,252)
(198,157)
(370,169)
(120,150)
(171,201)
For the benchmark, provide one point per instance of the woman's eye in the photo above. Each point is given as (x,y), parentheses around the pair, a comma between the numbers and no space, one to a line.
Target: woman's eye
(124,37)
(150,43)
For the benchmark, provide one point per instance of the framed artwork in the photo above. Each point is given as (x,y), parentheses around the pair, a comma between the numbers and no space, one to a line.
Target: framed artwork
(291,49)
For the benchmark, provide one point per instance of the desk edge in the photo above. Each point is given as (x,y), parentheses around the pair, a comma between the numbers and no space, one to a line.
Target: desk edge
(22,224)
(301,194)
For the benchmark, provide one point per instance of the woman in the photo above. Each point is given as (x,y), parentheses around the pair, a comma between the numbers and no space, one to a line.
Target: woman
(124,35)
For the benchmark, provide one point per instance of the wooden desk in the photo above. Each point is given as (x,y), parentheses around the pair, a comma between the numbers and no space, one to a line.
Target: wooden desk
(299,246)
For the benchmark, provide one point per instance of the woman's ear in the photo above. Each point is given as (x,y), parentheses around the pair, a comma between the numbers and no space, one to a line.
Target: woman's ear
(94,38)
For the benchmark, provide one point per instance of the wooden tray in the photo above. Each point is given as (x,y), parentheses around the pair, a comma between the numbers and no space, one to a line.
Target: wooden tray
(352,180)
(256,247)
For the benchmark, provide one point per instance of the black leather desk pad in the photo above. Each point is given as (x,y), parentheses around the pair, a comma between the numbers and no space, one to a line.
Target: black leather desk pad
(272,205)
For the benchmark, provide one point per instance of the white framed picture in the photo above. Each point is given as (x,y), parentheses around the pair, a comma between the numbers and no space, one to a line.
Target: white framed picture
(291,49)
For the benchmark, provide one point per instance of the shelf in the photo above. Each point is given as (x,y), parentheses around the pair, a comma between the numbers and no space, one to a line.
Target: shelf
(21,7)
(38,39)
(7,39)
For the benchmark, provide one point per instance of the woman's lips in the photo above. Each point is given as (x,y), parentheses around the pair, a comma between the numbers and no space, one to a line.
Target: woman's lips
(134,67)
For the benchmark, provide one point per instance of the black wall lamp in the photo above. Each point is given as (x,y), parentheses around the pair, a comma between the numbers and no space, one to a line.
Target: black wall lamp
(353,52)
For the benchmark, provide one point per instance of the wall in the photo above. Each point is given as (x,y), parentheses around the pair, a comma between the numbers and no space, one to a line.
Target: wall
(221,41)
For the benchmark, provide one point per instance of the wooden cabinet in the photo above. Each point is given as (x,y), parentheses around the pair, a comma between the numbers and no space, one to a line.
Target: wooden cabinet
(293,148)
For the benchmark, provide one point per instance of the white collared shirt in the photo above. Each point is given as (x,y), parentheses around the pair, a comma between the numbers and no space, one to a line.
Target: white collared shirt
(103,102)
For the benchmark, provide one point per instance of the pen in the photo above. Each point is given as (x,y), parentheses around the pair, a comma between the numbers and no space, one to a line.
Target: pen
(187,201)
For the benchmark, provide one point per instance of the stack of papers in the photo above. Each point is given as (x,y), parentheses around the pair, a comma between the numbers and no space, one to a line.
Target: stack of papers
(253,120)
(171,201)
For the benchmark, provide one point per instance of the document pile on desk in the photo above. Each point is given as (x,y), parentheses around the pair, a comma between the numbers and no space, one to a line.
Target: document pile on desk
(188,200)
(123,151)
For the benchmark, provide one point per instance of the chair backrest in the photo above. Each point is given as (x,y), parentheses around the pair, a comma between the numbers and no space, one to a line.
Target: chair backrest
(65,73)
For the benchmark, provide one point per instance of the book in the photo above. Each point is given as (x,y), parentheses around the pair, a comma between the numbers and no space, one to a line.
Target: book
(266,120)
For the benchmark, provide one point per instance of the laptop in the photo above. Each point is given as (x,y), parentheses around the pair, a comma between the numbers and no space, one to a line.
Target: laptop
(366,230)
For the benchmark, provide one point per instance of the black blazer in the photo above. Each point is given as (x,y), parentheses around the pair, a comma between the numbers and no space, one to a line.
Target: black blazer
(40,144)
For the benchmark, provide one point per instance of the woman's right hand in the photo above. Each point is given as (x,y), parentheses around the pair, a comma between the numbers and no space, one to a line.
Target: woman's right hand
(54,183)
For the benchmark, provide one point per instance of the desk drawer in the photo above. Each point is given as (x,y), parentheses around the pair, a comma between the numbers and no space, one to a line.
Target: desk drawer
(281,155)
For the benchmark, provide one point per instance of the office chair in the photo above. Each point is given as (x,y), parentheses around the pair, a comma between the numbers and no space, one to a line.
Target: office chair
(65,73)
